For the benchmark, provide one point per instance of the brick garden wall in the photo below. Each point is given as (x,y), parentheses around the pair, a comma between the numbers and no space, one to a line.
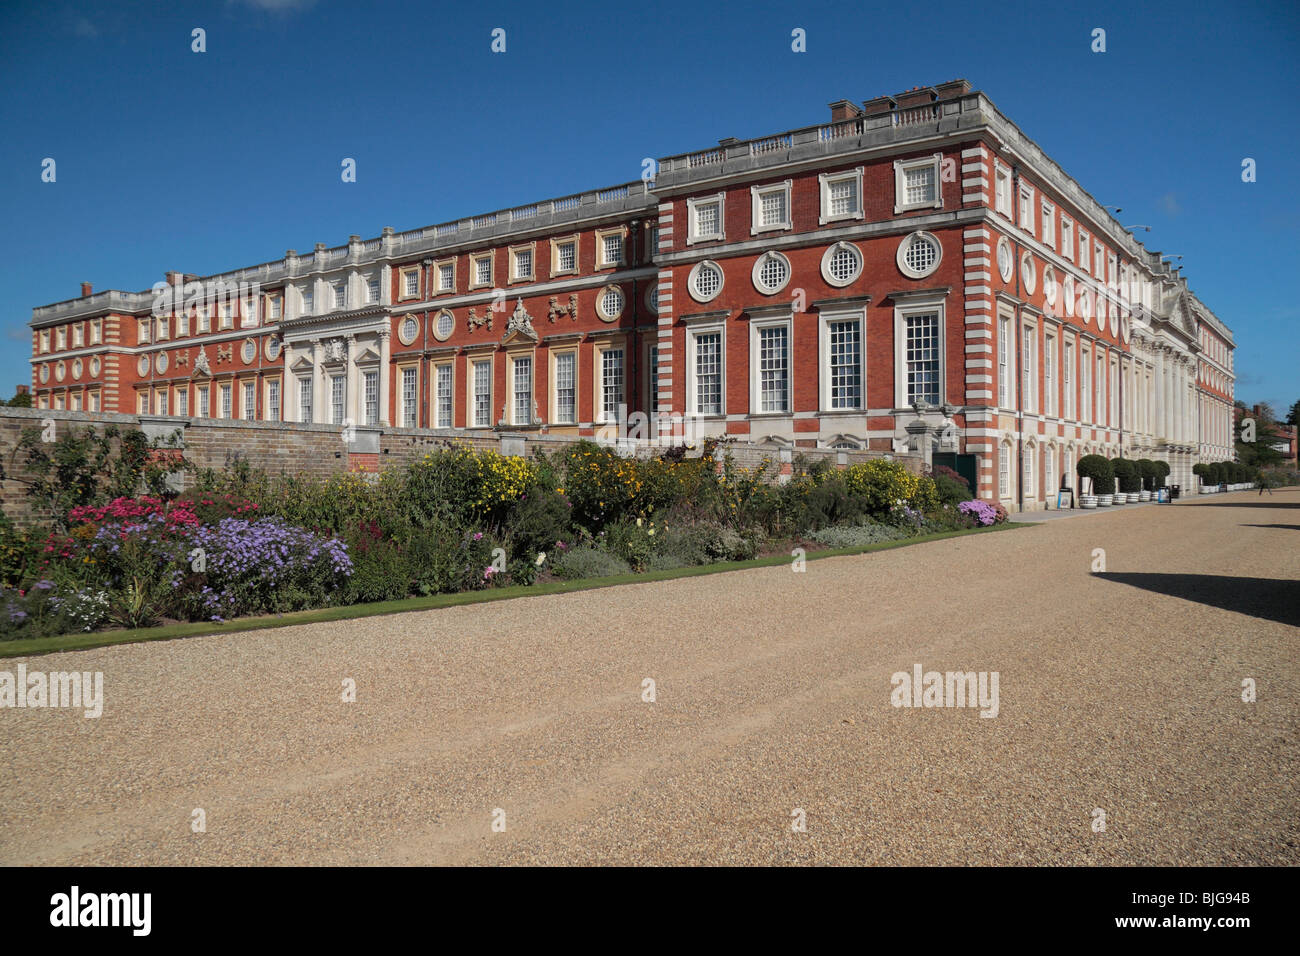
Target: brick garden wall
(319,450)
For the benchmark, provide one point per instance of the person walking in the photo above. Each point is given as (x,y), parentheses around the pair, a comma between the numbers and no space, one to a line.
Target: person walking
(1265,484)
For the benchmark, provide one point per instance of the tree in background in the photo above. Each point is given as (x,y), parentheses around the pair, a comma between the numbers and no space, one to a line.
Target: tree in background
(20,400)
(1293,416)
(1259,453)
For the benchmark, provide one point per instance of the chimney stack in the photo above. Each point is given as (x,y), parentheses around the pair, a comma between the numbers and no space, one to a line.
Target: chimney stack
(174,278)
(85,289)
(842,110)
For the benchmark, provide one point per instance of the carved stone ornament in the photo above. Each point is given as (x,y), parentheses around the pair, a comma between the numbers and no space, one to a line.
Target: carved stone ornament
(225,353)
(475,320)
(201,361)
(556,310)
(520,322)
(182,358)
(334,350)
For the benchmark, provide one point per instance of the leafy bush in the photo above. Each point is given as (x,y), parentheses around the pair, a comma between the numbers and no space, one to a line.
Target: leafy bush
(1126,472)
(856,536)
(589,562)
(1099,471)
(882,484)
(1148,472)
(85,467)
(951,487)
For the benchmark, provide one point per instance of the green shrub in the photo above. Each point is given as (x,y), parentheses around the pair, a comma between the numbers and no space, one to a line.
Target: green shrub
(951,487)
(587,562)
(1099,471)
(881,484)
(856,536)
(1126,472)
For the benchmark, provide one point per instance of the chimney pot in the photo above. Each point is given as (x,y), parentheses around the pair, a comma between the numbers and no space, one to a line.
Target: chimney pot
(844,110)
(85,289)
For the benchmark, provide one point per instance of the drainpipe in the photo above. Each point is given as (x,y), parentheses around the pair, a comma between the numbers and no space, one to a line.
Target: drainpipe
(634,359)
(426,365)
(1016,346)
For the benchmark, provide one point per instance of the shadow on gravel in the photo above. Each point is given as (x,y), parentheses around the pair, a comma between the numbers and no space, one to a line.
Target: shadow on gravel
(1267,598)
(1289,527)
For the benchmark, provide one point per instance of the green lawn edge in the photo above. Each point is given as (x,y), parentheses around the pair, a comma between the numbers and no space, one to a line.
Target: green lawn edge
(83,642)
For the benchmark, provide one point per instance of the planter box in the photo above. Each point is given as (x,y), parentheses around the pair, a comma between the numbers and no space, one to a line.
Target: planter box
(1087,501)
(1105,501)
(1144,496)
(1121,498)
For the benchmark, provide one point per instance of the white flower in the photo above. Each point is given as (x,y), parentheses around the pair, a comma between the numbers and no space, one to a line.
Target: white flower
(540,558)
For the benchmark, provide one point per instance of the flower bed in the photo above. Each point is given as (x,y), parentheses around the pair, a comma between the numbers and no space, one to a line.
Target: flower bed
(248,542)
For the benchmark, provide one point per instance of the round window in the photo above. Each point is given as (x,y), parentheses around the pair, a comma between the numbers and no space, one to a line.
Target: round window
(249,351)
(1067,294)
(771,273)
(160,362)
(706,280)
(272,348)
(841,264)
(60,372)
(611,303)
(1005,262)
(45,373)
(76,368)
(1085,306)
(1028,273)
(1049,286)
(1101,313)
(443,323)
(142,365)
(652,298)
(94,367)
(408,329)
(919,255)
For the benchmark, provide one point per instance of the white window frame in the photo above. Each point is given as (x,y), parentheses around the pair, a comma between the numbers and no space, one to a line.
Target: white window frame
(514,253)
(755,371)
(1067,238)
(1026,210)
(600,416)
(268,414)
(403,420)
(826,318)
(403,274)
(1029,367)
(918,306)
(435,404)
(693,234)
(570,353)
(556,244)
(1006,360)
(1084,250)
(440,264)
(601,236)
(471,385)
(1049,374)
(1048,212)
(1002,190)
(1004,471)
(902,167)
(825,181)
(511,396)
(756,194)
(692,395)
(1067,377)
(474,259)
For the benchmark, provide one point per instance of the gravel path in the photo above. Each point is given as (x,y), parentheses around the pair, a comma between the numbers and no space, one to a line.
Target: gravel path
(1120,692)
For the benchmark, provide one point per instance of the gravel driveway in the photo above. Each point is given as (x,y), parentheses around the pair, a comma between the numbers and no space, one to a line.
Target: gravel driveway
(1119,692)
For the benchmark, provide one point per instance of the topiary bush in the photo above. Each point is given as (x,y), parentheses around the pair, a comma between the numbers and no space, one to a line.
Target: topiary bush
(1148,472)
(1099,472)
(1127,475)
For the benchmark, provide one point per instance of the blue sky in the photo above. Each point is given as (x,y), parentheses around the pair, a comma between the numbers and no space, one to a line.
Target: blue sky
(170,159)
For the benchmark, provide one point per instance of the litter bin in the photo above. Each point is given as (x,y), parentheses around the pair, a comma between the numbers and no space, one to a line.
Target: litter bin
(1176,491)
(1162,496)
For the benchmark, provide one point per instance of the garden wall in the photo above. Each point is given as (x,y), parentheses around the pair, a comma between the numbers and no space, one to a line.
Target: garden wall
(319,450)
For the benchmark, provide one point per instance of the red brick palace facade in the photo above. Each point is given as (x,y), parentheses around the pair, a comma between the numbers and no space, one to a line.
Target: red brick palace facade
(915,272)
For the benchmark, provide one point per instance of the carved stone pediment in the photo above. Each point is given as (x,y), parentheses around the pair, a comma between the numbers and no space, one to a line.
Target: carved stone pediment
(519,325)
